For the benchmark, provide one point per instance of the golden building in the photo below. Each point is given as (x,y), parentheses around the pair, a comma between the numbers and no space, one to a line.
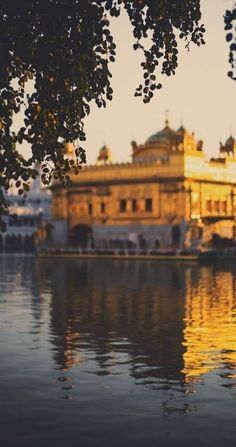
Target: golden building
(170,195)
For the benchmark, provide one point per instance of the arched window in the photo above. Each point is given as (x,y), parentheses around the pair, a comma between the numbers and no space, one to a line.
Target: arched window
(175,235)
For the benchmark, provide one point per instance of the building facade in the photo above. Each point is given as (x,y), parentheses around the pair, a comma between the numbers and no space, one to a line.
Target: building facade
(28,219)
(170,195)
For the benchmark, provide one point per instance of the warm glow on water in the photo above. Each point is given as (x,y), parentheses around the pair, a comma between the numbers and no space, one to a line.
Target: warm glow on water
(116,353)
(210,325)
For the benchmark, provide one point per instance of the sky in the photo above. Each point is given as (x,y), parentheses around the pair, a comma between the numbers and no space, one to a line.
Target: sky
(200,94)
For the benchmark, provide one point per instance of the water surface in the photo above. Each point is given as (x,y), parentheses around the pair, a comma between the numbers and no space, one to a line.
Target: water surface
(116,353)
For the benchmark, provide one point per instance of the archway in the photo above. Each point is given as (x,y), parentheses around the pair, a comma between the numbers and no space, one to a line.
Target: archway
(8,242)
(28,243)
(18,242)
(142,243)
(13,243)
(175,235)
(81,235)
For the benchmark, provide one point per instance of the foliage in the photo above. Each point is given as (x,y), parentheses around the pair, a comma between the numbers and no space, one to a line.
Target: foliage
(230,28)
(65,47)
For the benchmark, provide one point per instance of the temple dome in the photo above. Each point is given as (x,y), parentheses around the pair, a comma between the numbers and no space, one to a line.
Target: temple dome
(166,141)
(181,129)
(230,141)
(164,134)
(229,148)
(104,156)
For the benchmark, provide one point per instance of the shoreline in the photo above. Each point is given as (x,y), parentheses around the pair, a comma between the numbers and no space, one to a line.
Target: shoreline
(208,257)
(202,258)
(141,257)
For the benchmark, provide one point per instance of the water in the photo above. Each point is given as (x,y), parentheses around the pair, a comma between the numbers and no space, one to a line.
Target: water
(116,353)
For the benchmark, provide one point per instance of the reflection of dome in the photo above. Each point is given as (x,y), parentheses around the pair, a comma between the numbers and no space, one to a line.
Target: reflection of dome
(164,134)
(104,156)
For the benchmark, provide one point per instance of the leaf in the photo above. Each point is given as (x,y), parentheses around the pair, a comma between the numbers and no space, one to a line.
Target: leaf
(26,187)
(229,37)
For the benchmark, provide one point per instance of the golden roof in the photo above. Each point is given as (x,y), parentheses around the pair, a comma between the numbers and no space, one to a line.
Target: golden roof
(104,155)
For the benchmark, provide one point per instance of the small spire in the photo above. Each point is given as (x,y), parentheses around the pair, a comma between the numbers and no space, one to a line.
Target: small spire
(167,117)
(104,139)
(104,156)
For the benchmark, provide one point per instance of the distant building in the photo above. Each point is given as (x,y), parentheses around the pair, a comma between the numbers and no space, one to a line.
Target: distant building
(170,195)
(27,216)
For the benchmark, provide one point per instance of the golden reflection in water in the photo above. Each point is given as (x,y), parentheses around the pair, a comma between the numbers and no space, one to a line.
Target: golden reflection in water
(70,356)
(210,324)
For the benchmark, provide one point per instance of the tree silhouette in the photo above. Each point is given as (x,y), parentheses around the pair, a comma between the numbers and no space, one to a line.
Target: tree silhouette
(65,47)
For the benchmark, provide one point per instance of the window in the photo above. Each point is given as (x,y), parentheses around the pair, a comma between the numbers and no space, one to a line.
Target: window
(208,206)
(90,209)
(217,206)
(224,206)
(148,205)
(123,205)
(103,207)
(134,205)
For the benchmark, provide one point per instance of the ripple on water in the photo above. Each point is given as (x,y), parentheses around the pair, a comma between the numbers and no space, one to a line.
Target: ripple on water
(138,349)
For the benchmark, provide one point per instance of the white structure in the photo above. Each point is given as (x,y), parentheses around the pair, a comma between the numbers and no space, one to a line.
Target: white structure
(26,216)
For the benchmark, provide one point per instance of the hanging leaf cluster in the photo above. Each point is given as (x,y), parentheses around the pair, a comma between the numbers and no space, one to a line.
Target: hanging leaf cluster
(65,47)
(230,28)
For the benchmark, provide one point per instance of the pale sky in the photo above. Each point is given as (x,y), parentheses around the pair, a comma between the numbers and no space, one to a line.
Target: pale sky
(200,93)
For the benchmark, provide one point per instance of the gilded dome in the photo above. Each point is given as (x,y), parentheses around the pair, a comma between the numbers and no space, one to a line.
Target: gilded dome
(166,141)
(230,141)
(229,147)
(181,129)
(105,155)
(165,134)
